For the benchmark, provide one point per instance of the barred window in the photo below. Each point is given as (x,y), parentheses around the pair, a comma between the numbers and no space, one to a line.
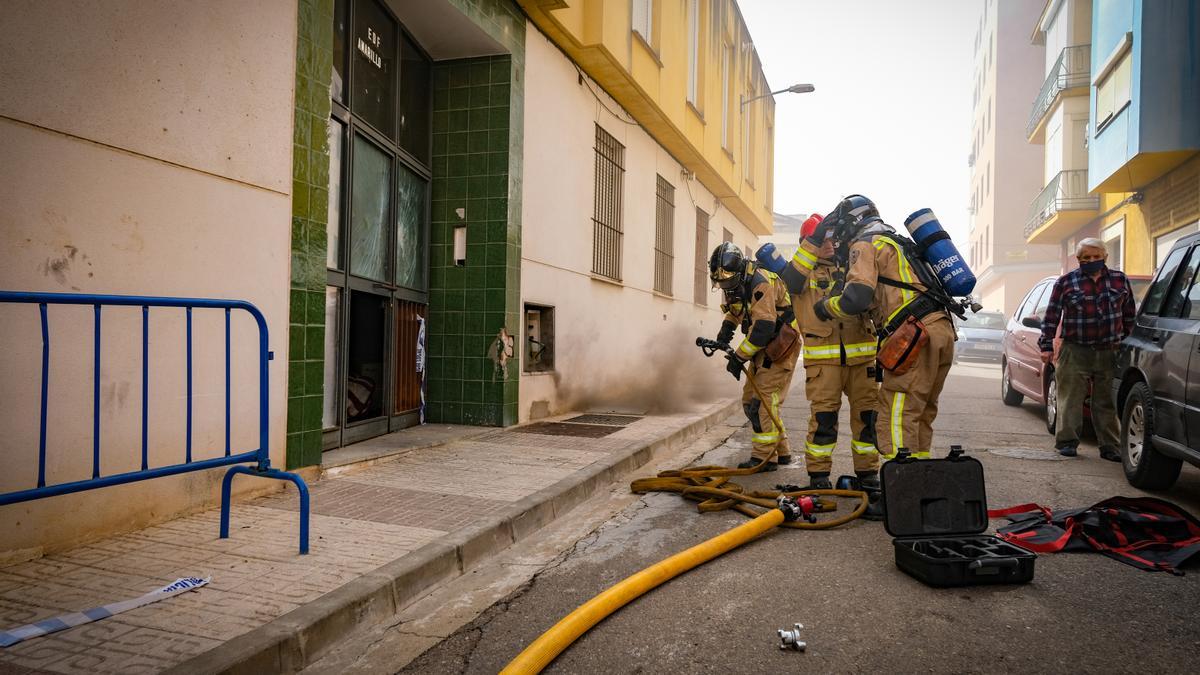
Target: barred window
(664,235)
(609,196)
(701,280)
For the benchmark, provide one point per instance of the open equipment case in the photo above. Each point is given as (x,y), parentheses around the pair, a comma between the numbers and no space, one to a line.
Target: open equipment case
(937,511)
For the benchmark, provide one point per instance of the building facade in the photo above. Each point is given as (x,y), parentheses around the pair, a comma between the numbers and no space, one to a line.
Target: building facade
(1005,170)
(1145,122)
(656,161)
(452,211)
(1130,129)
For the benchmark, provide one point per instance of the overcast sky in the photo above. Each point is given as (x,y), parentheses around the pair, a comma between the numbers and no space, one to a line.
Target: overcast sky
(891,114)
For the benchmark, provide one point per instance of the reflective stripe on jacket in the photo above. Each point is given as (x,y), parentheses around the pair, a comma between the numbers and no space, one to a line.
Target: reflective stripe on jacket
(845,341)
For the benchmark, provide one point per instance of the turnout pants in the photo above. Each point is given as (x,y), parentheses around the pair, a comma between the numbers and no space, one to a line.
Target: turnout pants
(908,403)
(824,384)
(1076,365)
(774,381)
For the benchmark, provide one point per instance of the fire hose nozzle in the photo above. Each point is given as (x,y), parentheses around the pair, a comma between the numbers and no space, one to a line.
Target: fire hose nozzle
(797,509)
(790,639)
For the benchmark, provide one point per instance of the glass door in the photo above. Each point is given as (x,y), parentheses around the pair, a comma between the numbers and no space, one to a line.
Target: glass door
(377,236)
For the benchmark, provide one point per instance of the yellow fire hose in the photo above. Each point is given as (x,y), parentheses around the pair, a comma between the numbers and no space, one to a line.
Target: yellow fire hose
(711,487)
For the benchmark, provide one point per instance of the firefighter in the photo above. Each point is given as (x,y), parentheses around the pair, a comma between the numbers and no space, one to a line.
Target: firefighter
(758,301)
(915,330)
(839,358)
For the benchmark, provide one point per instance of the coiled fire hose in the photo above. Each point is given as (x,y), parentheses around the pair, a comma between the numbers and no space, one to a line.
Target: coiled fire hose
(710,485)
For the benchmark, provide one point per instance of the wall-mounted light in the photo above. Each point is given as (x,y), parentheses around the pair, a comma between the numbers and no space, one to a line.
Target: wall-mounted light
(460,246)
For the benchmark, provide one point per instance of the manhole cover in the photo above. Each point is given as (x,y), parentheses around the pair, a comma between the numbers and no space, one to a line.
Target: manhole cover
(610,420)
(1027,453)
(561,429)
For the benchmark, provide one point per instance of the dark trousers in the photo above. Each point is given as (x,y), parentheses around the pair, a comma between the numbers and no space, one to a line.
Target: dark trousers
(1076,365)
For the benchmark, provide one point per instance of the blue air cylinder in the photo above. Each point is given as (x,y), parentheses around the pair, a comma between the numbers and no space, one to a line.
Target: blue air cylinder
(769,258)
(940,252)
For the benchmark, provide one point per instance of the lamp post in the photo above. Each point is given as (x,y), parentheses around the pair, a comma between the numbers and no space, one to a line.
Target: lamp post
(794,89)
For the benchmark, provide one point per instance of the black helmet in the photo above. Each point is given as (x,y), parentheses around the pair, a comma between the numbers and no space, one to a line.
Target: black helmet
(727,266)
(851,215)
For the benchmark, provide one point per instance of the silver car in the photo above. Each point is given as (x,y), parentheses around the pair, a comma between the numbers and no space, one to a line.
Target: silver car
(980,337)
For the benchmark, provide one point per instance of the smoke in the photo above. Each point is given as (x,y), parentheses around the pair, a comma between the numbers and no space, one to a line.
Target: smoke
(664,372)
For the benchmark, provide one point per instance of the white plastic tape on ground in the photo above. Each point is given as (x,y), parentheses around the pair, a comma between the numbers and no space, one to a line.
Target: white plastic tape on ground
(11,637)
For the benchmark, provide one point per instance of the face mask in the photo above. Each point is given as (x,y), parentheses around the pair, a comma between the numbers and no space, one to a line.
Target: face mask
(1091,267)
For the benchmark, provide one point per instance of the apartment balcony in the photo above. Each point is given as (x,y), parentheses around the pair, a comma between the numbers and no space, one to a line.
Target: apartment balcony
(971,159)
(1063,206)
(1070,76)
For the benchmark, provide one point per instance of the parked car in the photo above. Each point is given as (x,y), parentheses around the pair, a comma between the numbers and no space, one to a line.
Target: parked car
(1022,372)
(1158,387)
(980,336)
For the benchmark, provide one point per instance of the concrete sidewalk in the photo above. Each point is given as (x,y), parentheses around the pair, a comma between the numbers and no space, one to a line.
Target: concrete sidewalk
(390,521)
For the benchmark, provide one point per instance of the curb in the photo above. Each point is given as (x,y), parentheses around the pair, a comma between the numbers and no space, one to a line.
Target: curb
(300,637)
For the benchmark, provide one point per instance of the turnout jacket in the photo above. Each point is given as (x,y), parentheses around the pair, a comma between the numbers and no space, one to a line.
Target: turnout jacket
(762,311)
(846,341)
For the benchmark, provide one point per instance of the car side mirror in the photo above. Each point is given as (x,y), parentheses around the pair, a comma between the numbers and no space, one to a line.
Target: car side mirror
(1031,322)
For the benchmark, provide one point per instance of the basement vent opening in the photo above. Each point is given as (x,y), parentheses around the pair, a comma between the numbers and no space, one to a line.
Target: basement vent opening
(607,419)
(565,429)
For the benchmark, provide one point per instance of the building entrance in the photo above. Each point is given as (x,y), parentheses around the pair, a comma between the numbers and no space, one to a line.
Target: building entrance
(377,291)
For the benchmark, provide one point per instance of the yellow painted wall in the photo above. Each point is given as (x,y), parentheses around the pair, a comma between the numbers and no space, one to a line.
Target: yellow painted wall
(1138,248)
(650,80)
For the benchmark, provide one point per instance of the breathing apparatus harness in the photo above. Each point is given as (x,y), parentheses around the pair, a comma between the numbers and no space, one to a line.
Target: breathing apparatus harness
(934,297)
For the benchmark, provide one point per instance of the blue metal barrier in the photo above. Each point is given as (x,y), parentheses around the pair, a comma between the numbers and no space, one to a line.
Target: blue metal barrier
(260,456)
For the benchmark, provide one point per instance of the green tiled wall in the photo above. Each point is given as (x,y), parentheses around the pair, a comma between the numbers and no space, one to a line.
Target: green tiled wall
(478,114)
(310,212)
(476,169)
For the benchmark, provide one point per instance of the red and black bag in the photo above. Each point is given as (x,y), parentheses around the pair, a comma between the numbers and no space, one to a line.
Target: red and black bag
(1147,533)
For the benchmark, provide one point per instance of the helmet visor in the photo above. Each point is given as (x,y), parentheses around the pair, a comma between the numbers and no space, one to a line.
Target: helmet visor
(726,280)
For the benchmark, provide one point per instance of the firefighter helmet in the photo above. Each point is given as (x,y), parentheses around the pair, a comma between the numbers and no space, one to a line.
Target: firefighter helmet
(851,215)
(727,267)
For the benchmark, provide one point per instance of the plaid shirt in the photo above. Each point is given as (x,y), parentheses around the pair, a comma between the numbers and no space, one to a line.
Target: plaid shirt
(1091,312)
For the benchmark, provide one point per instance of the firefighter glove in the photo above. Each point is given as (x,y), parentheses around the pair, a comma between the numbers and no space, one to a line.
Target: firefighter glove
(821,311)
(734,366)
(725,335)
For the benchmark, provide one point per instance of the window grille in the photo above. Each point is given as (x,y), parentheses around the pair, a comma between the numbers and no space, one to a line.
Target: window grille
(664,235)
(701,280)
(609,197)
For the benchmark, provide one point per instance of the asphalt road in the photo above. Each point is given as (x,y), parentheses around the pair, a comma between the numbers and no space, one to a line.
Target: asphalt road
(1081,613)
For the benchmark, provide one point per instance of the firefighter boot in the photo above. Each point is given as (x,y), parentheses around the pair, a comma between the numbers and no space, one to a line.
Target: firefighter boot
(868,482)
(752,462)
(818,480)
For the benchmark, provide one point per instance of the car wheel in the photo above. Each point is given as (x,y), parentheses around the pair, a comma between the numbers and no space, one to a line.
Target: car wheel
(1052,406)
(1144,466)
(1009,395)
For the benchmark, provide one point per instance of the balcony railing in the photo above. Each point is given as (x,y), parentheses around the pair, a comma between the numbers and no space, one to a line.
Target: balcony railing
(1067,191)
(971,159)
(1072,69)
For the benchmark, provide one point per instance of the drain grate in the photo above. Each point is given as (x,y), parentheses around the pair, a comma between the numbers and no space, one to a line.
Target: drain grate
(561,429)
(609,420)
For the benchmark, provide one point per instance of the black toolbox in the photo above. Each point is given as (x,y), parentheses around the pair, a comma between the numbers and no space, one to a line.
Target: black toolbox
(937,511)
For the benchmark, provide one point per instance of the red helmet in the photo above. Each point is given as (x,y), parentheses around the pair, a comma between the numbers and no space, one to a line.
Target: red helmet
(810,225)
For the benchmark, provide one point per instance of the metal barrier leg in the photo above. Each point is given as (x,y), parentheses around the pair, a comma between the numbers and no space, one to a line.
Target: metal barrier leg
(301,486)
(226,484)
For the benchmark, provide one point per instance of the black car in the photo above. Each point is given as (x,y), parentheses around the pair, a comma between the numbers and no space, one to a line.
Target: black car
(980,336)
(1158,366)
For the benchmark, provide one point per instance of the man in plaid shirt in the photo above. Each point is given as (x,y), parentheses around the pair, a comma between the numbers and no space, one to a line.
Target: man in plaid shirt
(1094,305)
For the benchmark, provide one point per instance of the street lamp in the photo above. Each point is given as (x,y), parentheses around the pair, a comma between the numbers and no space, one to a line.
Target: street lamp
(794,89)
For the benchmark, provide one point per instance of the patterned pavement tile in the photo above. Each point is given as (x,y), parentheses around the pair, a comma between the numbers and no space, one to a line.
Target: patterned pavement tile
(361,519)
(348,498)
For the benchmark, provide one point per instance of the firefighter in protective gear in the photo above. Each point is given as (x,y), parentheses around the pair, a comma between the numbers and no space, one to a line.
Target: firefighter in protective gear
(758,301)
(881,280)
(839,358)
